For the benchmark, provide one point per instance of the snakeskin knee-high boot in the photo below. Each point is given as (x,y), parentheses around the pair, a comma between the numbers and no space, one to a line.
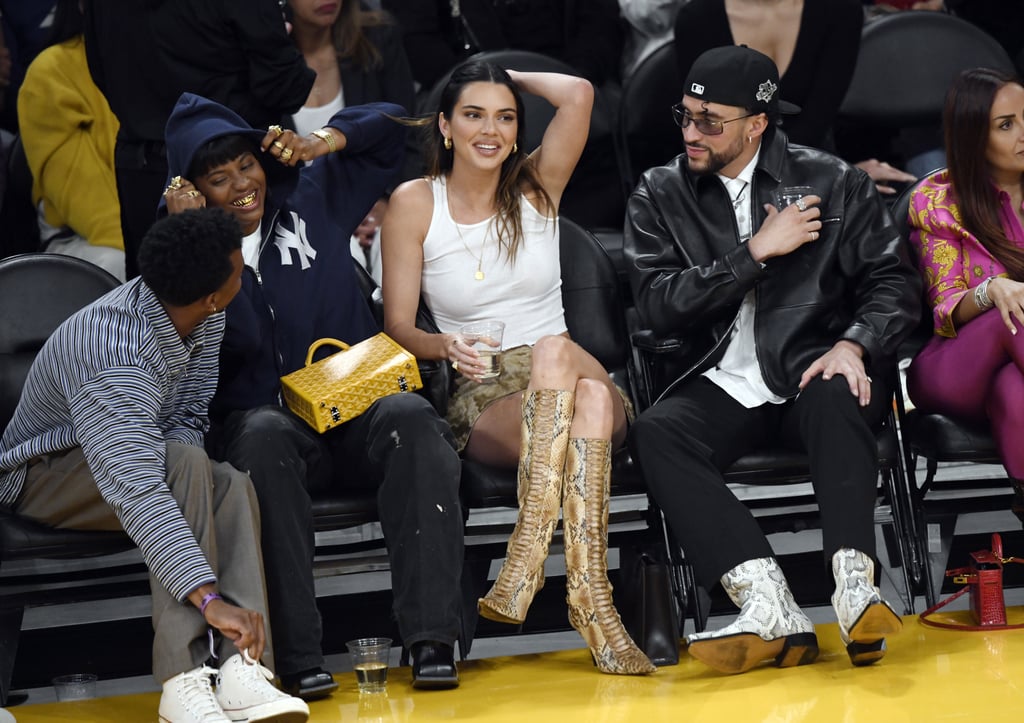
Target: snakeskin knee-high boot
(589,594)
(547,414)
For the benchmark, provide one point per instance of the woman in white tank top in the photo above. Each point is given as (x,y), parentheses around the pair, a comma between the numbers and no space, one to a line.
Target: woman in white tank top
(478,239)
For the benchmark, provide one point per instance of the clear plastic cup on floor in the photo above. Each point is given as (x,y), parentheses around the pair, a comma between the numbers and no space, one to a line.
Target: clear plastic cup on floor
(76,686)
(370,661)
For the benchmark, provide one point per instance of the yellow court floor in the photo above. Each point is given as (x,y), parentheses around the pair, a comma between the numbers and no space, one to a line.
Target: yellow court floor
(928,675)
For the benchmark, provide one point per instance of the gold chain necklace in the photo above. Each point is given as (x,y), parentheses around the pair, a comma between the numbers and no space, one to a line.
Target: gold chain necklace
(479,275)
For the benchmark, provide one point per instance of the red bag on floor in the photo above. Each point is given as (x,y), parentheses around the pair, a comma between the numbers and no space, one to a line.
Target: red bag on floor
(984,581)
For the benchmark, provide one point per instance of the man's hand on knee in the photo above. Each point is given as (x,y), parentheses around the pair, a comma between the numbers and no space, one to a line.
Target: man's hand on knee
(846,359)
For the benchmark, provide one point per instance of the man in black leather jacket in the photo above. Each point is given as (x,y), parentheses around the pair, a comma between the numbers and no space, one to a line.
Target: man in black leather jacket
(788,324)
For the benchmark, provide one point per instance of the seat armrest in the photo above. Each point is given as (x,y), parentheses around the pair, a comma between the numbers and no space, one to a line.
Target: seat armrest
(646,341)
(653,359)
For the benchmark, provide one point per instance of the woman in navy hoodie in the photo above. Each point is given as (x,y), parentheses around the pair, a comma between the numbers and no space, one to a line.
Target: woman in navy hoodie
(300,286)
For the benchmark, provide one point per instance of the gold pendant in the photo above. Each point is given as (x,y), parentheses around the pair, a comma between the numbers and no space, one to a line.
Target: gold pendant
(479,275)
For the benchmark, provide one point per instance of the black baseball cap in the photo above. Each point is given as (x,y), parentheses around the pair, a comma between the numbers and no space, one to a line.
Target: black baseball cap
(739,76)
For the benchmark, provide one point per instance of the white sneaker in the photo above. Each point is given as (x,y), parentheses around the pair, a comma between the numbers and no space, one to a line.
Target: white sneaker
(245,693)
(188,698)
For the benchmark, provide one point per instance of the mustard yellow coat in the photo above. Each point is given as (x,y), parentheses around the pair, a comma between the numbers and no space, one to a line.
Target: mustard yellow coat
(68,131)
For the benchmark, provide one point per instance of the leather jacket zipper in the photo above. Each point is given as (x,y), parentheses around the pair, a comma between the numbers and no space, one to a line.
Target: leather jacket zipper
(682,377)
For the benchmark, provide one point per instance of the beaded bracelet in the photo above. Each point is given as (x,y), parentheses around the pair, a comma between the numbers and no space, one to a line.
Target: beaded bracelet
(207,599)
(327,137)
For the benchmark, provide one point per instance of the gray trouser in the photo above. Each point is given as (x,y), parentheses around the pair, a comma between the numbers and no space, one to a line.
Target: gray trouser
(218,503)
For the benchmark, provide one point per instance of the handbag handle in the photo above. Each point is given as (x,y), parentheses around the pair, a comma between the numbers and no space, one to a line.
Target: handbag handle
(324,342)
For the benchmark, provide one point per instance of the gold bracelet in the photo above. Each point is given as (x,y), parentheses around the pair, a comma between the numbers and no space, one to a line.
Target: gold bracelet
(327,137)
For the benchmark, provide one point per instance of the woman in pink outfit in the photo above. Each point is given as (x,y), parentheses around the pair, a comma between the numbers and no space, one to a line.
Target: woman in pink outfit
(968,228)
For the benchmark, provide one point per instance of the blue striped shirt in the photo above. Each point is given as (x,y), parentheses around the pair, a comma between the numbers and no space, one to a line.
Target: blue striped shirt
(118,380)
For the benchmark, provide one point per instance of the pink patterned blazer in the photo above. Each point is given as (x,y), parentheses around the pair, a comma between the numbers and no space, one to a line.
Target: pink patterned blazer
(951,259)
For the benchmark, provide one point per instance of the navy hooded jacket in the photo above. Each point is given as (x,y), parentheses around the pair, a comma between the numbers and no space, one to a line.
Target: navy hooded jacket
(305,287)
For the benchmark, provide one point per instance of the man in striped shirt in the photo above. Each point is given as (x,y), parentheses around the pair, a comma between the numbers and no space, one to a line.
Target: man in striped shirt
(108,434)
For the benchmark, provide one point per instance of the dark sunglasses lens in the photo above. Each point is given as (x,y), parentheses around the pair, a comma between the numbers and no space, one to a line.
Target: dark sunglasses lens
(705,126)
(708,127)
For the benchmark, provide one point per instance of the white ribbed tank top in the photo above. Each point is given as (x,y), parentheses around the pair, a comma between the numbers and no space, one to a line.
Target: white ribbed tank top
(527,296)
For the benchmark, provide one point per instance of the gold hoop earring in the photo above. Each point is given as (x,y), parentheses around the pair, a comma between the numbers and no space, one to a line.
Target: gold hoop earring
(447,143)
(515,147)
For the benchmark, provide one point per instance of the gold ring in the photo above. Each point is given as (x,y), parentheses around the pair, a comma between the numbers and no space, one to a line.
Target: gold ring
(276,129)
(278,144)
(193,193)
(286,154)
(455,365)
(174,185)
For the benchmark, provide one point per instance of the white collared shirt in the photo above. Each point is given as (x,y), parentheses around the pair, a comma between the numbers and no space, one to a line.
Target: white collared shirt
(738,373)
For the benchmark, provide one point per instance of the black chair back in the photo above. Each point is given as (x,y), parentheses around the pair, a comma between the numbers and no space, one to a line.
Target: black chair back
(906,62)
(591,298)
(37,293)
(900,210)
(647,135)
(19,223)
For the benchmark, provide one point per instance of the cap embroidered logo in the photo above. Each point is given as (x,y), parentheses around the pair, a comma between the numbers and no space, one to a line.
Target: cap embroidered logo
(765,91)
(697,88)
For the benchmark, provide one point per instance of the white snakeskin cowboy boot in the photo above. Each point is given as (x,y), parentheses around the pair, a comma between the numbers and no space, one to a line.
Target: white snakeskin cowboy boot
(589,594)
(864,617)
(770,623)
(547,415)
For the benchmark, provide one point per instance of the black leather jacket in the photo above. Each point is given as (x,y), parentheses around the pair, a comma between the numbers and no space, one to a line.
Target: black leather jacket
(689,272)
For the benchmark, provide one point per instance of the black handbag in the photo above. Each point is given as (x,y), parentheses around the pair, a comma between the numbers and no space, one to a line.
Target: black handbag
(647,607)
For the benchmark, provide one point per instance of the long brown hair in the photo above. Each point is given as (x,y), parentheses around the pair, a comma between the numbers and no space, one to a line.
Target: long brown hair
(517,171)
(966,122)
(350,40)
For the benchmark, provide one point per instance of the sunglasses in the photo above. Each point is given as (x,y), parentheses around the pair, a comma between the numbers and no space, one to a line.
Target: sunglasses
(705,125)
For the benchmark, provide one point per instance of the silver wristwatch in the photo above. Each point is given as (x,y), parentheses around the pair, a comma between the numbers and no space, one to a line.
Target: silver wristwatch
(981,295)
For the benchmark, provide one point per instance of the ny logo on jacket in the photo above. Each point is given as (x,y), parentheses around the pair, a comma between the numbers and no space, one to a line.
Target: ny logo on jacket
(285,239)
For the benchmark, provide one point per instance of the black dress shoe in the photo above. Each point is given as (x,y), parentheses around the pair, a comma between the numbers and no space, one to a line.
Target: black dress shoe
(433,666)
(309,685)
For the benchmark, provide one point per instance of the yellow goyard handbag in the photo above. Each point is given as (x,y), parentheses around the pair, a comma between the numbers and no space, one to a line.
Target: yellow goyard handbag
(343,385)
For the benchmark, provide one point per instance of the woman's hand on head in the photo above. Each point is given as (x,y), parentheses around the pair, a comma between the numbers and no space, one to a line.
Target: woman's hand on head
(181,195)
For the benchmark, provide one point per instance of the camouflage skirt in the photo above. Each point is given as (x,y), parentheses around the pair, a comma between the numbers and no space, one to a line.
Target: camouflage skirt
(470,398)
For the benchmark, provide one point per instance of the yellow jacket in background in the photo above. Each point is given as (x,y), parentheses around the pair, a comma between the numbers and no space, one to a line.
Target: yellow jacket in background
(68,131)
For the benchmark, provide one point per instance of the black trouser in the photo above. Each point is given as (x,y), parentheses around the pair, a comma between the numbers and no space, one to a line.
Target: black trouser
(400,446)
(686,441)
(141,170)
